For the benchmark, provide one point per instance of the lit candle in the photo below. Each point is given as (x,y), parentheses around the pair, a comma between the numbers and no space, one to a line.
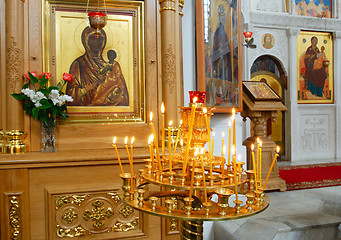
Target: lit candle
(223,162)
(193,170)
(222,149)
(151,150)
(260,163)
(177,139)
(208,136)
(170,146)
(254,164)
(211,166)
(155,141)
(235,171)
(203,175)
(131,152)
(182,144)
(118,156)
(131,165)
(257,160)
(229,152)
(272,165)
(163,129)
(189,138)
(234,126)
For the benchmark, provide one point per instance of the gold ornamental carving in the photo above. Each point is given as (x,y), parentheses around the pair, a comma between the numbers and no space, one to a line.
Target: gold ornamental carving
(70,199)
(115,197)
(14,64)
(14,218)
(98,214)
(173,224)
(169,66)
(124,227)
(69,216)
(71,233)
(126,211)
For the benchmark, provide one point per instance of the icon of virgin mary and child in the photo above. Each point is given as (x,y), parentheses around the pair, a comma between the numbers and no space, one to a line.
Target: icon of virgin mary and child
(97,82)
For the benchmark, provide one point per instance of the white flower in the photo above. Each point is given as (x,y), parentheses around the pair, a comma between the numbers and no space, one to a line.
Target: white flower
(37,104)
(28,92)
(66,98)
(54,94)
(37,97)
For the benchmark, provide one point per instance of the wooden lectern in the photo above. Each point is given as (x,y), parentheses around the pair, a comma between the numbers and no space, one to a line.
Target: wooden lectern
(260,104)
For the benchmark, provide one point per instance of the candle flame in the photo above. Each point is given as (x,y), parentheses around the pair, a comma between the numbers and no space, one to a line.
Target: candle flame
(258,140)
(181,142)
(233,150)
(170,123)
(277,149)
(162,108)
(151,116)
(180,122)
(195,99)
(260,143)
(126,140)
(132,140)
(252,147)
(204,110)
(229,124)
(213,134)
(114,140)
(223,134)
(233,112)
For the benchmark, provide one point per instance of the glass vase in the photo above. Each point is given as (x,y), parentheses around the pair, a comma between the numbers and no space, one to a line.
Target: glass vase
(48,136)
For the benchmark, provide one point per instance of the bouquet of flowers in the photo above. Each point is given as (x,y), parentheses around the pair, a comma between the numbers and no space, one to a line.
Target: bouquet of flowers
(42,102)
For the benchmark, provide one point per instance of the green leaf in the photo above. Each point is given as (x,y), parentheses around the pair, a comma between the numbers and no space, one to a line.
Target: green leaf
(33,79)
(43,81)
(35,112)
(59,86)
(45,104)
(25,85)
(19,96)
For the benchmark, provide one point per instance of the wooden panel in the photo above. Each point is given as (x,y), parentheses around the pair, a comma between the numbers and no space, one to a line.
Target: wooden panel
(14,204)
(48,185)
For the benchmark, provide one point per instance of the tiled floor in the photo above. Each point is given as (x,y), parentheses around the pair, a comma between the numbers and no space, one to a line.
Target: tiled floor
(312,214)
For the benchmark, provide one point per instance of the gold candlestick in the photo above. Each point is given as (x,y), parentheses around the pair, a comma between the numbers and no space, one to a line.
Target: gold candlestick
(213,134)
(192,176)
(131,165)
(204,179)
(177,138)
(254,165)
(151,150)
(118,156)
(260,163)
(229,152)
(235,171)
(234,126)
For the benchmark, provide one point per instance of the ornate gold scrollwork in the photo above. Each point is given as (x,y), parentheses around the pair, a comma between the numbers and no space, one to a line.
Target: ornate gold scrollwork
(173,224)
(70,199)
(69,216)
(126,211)
(167,8)
(124,227)
(169,66)
(97,214)
(14,218)
(76,232)
(115,196)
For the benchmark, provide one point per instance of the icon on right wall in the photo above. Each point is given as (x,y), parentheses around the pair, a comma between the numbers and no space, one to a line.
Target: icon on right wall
(268,41)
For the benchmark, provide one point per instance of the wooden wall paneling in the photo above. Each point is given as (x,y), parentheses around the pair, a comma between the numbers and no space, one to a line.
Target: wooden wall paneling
(2,65)
(14,62)
(14,207)
(92,182)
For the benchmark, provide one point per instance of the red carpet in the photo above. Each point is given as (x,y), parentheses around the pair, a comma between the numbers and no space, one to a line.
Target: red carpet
(311,176)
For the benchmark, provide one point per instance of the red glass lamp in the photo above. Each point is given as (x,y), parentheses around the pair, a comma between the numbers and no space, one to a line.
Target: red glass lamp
(248,36)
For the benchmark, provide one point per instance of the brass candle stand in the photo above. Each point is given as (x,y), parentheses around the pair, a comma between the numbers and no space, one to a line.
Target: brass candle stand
(195,176)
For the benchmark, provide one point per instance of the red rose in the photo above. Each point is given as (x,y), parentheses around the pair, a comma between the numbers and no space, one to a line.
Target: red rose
(67,77)
(34,73)
(47,75)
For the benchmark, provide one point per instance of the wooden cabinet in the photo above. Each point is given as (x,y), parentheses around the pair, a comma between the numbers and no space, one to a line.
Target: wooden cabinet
(69,195)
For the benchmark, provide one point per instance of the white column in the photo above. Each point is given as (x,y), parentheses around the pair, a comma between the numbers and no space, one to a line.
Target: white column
(337,92)
(292,138)
(292,7)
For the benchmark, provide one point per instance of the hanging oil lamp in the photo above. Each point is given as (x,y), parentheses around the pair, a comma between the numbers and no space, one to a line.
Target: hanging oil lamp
(97,19)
